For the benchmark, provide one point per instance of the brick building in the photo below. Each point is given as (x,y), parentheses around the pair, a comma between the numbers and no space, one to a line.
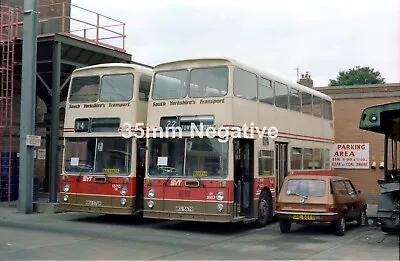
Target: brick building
(349,101)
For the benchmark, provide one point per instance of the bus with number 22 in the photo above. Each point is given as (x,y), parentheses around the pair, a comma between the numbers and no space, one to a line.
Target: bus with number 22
(204,164)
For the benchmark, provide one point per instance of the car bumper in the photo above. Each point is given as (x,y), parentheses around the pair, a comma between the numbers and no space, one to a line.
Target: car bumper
(301,216)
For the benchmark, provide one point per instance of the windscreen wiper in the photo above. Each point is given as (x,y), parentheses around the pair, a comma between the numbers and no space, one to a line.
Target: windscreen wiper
(200,181)
(107,180)
(298,194)
(168,178)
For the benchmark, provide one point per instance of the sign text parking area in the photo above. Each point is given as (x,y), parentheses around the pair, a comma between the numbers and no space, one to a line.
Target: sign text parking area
(351,156)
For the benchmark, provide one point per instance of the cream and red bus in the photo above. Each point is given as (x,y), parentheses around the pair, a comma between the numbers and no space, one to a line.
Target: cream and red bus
(103,170)
(229,175)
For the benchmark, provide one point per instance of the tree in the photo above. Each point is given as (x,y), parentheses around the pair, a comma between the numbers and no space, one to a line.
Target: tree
(357,76)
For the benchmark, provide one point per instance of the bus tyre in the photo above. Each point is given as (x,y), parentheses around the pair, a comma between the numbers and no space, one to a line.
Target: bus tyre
(264,209)
(340,227)
(285,226)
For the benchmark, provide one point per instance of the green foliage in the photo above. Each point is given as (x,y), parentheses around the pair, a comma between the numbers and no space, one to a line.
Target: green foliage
(358,76)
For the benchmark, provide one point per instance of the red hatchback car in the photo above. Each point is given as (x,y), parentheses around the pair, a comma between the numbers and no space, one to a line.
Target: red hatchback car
(319,199)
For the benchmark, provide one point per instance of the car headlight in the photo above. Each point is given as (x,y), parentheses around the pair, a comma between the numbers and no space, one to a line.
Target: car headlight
(220,207)
(220,195)
(150,204)
(123,191)
(66,197)
(123,201)
(66,188)
(151,193)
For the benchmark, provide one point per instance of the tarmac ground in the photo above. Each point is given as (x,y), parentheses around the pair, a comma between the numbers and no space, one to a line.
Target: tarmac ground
(81,236)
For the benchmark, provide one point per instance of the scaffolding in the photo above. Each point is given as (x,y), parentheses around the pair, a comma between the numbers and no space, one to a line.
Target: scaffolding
(8,157)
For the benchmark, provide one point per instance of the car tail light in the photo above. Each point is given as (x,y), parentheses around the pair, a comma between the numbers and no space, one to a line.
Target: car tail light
(332,209)
(277,207)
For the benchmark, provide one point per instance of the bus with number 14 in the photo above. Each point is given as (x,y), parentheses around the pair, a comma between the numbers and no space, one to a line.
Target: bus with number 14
(102,171)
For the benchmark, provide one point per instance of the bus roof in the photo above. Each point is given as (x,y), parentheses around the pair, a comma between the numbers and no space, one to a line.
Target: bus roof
(230,61)
(382,118)
(134,66)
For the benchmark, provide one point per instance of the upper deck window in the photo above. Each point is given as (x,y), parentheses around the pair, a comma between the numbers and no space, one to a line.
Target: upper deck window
(84,89)
(117,87)
(281,95)
(208,82)
(265,91)
(295,100)
(317,106)
(170,85)
(245,84)
(306,101)
(327,109)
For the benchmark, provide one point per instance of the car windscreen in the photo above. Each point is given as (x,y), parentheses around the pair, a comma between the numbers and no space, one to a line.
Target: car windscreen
(306,187)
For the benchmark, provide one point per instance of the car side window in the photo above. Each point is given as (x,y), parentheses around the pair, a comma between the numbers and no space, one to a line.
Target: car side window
(350,188)
(340,187)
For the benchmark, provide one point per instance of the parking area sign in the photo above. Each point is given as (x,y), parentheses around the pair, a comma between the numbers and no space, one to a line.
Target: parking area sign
(351,156)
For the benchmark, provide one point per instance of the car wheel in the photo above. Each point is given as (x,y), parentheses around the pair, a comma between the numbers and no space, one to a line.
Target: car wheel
(264,209)
(362,219)
(340,227)
(285,226)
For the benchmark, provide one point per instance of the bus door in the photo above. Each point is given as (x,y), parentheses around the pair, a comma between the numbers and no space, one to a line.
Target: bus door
(244,177)
(140,171)
(281,152)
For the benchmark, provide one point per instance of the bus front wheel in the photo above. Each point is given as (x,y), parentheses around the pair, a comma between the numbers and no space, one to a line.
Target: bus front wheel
(264,209)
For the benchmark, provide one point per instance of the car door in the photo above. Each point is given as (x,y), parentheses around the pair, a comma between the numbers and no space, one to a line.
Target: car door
(355,198)
(343,200)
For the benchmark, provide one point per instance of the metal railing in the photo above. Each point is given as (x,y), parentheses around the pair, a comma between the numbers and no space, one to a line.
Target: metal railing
(79,23)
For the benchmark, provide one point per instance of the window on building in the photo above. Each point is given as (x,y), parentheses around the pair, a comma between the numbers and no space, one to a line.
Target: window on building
(245,84)
(295,100)
(266,91)
(281,95)
(306,101)
(296,158)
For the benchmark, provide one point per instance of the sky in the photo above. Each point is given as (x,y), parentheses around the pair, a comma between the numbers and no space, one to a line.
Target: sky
(319,37)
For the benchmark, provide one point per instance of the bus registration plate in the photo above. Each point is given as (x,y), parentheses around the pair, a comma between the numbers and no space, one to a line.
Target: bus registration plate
(93,203)
(304,217)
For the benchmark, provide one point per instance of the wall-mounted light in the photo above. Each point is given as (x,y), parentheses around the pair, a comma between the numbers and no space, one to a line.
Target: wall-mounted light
(373,166)
(381,165)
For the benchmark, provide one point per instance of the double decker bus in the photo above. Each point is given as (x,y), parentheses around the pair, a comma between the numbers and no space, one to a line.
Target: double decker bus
(229,175)
(385,119)
(103,170)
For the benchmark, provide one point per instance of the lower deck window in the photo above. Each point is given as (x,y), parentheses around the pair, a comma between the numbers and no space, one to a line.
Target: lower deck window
(189,157)
(98,155)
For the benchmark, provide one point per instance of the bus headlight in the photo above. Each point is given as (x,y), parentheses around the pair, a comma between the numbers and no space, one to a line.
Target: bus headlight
(66,197)
(66,188)
(123,201)
(220,207)
(150,204)
(123,191)
(220,195)
(151,193)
